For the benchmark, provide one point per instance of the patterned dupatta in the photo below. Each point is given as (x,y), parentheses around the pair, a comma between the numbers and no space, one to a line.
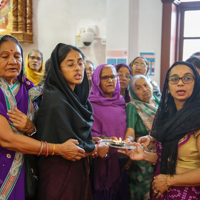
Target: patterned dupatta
(10,94)
(145,110)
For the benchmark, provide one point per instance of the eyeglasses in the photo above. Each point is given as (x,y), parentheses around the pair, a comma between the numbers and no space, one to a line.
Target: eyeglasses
(89,70)
(124,76)
(71,65)
(33,58)
(185,79)
(136,64)
(106,78)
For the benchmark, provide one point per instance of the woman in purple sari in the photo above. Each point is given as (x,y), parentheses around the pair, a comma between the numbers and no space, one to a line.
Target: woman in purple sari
(110,179)
(18,104)
(176,129)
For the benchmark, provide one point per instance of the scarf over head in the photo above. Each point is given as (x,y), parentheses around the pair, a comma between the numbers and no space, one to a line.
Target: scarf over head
(21,95)
(34,76)
(171,125)
(108,107)
(25,87)
(145,110)
(65,114)
(127,98)
(109,120)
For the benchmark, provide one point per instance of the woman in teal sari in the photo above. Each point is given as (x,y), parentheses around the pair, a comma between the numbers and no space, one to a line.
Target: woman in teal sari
(140,115)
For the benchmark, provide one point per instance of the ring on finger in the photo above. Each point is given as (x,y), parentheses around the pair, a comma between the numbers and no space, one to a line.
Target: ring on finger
(155,191)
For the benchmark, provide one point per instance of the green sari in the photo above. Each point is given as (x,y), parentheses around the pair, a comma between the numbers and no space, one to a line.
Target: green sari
(140,117)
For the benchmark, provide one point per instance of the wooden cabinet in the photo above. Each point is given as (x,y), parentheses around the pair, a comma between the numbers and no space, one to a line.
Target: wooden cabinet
(16,19)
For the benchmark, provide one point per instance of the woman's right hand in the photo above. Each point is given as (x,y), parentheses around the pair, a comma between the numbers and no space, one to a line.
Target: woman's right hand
(70,150)
(145,139)
(103,149)
(134,154)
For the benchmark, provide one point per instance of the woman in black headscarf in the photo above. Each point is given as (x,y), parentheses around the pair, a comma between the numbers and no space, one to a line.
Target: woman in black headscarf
(176,129)
(65,113)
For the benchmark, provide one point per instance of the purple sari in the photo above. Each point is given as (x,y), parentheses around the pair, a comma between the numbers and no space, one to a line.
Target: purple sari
(110,179)
(176,192)
(12,168)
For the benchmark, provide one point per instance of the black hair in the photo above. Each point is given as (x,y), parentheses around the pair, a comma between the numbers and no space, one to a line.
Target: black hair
(196,54)
(7,38)
(47,65)
(195,61)
(65,49)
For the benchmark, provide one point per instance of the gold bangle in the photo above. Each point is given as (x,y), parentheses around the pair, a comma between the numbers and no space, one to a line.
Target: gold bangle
(54,146)
(168,189)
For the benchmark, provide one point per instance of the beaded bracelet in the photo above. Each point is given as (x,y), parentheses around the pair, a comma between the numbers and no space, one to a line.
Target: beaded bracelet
(41,148)
(47,148)
(54,146)
(168,189)
(130,138)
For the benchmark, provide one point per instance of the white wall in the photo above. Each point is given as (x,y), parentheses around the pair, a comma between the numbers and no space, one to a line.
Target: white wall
(58,22)
(126,24)
(150,27)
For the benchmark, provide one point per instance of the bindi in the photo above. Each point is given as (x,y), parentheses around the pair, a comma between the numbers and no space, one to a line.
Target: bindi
(11,50)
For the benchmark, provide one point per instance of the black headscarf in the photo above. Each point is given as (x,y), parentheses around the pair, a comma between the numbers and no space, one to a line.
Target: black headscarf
(171,125)
(65,113)
(118,66)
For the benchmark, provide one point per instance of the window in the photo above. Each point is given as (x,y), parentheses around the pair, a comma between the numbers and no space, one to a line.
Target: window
(189,29)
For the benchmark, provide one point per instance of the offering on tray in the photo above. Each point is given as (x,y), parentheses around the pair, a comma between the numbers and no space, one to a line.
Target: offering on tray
(118,143)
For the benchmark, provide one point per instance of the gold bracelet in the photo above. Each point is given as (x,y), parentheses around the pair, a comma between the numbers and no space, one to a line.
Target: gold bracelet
(168,189)
(54,146)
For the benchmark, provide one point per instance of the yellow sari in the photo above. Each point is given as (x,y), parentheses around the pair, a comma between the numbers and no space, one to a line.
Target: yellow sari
(33,76)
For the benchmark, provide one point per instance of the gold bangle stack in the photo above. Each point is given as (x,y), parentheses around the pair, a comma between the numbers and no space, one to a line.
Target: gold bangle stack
(168,189)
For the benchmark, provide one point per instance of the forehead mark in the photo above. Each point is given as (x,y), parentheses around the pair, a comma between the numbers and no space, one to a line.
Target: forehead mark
(11,50)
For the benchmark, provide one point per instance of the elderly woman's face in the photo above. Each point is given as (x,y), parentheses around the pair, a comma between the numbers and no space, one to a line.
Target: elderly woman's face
(10,60)
(179,90)
(139,67)
(124,77)
(72,68)
(108,81)
(35,61)
(89,70)
(143,90)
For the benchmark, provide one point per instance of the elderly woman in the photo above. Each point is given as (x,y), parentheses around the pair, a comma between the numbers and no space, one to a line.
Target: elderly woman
(110,179)
(140,65)
(140,115)
(89,68)
(18,102)
(65,113)
(176,129)
(124,73)
(34,66)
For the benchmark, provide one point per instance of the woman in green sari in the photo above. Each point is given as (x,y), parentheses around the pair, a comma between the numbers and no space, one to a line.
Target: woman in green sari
(140,115)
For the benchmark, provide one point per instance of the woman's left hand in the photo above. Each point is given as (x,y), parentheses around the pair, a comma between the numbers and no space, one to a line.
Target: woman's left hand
(21,121)
(159,185)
